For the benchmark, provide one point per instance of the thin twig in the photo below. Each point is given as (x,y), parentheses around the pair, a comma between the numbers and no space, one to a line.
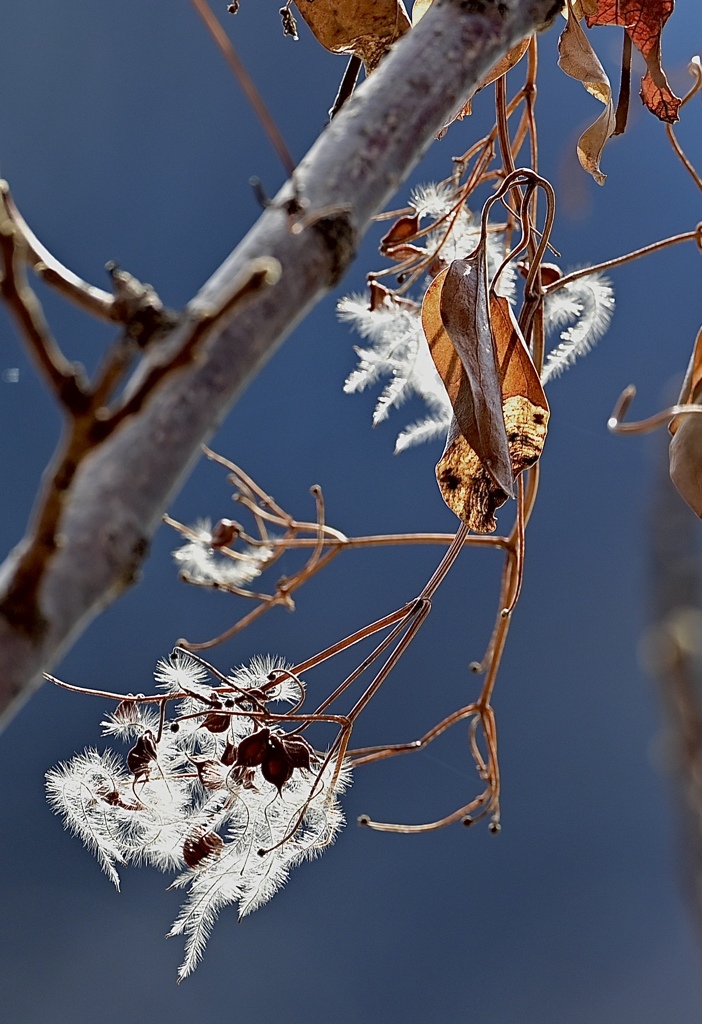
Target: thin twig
(348,84)
(62,376)
(246,82)
(646,250)
(93,300)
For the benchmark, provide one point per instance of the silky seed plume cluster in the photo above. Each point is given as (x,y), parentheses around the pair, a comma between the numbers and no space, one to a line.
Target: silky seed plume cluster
(213,793)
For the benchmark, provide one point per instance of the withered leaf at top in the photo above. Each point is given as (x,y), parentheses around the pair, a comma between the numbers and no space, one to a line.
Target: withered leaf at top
(503,65)
(578,59)
(506,63)
(364,28)
(643,21)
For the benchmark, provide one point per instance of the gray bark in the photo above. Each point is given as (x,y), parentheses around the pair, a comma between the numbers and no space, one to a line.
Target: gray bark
(122,489)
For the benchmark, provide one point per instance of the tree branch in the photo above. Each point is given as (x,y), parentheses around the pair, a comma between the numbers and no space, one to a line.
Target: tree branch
(121,490)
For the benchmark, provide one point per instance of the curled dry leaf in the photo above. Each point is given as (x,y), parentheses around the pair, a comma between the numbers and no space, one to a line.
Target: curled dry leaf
(686,442)
(404,228)
(643,21)
(464,311)
(500,410)
(365,28)
(503,65)
(578,59)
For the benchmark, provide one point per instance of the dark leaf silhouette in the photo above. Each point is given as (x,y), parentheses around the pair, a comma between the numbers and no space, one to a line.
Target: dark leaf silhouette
(142,754)
(216,721)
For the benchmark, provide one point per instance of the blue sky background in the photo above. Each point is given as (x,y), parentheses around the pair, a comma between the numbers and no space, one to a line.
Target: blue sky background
(125,137)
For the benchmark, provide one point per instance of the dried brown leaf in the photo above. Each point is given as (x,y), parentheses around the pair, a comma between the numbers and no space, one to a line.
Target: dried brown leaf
(644,21)
(686,443)
(465,485)
(504,64)
(525,407)
(579,60)
(404,227)
(364,28)
(691,390)
(495,391)
(463,314)
(379,295)
(404,251)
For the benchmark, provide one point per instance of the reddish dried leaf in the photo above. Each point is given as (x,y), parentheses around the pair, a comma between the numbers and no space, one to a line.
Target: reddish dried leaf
(378,295)
(403,228)
(229,754)
(404,251)
(660,100)
(644,21)
(299,751)
(364,28)
(223,533)
(276,766)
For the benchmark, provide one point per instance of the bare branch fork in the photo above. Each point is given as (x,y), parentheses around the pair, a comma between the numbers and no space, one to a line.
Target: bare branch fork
(114,499)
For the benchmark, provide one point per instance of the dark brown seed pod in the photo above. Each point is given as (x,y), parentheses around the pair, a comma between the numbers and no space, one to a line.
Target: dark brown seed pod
(142,754)
(276,766)
(253,749)
(229,754)
(126,712)
(298,751)
(216,722)
(197,848)
(223,533)
(210,772)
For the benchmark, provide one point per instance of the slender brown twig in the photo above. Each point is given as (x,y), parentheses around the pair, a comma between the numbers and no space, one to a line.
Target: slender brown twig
(246,82)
